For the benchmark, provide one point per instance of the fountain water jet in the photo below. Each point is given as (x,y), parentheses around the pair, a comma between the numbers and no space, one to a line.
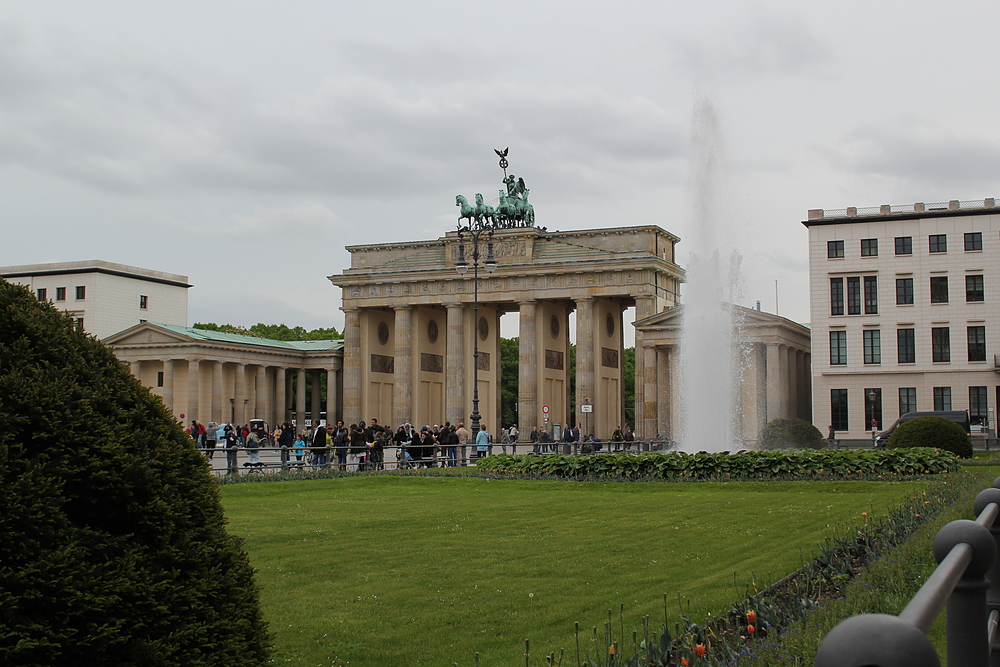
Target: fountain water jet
(709,368)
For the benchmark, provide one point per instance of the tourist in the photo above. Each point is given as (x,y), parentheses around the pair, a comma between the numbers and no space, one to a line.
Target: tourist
(341,440)
(319,446)
(617,437)
(231,442)
(358,447)
(211,437)
(483,441)
(253,448)
(533,438)
(300,447)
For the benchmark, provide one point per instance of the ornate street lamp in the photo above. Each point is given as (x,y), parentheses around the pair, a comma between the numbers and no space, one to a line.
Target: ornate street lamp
(871,397)
(475,230)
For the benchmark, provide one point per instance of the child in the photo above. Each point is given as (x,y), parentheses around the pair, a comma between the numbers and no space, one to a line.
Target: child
(300,447)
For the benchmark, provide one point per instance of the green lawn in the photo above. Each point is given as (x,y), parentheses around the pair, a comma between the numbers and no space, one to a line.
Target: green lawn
(405,570)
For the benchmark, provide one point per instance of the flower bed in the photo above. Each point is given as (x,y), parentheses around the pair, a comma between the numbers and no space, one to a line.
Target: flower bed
(722,465)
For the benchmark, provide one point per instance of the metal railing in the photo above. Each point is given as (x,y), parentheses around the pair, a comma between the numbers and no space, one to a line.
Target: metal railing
(888,209)
(967,579)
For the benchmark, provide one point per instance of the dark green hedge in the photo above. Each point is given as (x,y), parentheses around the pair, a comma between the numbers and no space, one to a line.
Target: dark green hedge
(677,465)
(791,434)
(931,431)
(113,549)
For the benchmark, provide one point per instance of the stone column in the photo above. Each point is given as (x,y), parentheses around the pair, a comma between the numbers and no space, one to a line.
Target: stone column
(300,400)
(332,409)
(775,381)
(455,365)
(217,407)
(194,393)
(402,387)
(168,383)
(586,357)
(644,307)
(352,365)
(529,414)
(664,362)
(260,394)
(280,395)
(315,403)
(136,367)
(647,428)
(240,394)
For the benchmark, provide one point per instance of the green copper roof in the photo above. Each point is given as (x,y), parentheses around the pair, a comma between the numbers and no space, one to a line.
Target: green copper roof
(221,337)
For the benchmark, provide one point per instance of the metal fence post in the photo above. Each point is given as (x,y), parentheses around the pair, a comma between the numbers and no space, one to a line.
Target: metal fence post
(968,639)
(983,500)
(876,640)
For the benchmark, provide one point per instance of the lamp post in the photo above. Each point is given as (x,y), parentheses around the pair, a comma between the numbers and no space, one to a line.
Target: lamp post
(475,230)
(871,399)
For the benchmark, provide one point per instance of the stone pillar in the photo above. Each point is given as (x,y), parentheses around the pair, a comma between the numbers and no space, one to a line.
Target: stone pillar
(168,383)
(194,393)
(300,400)
(647,428)
(352,365)
(218,409)
(664,361)
(240,394)
(775,385)
(332,409)
(585,356)
(644,307)
(455,365)
(529,414)
(259,393)
(314,401)
(402,387)
(280,395)
(136,367)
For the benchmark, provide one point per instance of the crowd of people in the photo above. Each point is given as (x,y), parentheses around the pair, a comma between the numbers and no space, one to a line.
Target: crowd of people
(361,446)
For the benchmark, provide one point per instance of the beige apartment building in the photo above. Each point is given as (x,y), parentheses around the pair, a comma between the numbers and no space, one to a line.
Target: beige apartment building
(106,297)
(904,310)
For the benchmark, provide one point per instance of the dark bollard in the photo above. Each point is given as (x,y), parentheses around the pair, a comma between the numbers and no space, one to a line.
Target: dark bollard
(983,500)
(968,639)
(876,640)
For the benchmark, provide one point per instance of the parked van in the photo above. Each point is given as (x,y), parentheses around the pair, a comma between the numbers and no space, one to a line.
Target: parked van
(960,417)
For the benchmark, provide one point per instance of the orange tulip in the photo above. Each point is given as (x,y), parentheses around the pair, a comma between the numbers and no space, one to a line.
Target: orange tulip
(699,649)
(751,629)
(751,616)
(684,662)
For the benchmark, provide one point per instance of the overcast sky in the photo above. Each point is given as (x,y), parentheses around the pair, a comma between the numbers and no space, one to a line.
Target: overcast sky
(244,144)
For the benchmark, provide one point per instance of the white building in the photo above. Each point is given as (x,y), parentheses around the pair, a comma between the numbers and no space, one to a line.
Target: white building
(104,297)
(905,305)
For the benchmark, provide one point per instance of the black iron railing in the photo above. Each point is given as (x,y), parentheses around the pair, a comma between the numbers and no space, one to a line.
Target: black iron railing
(967,580)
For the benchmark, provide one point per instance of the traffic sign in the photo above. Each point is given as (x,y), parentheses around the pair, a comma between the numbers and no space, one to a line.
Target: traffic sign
(586,407)
(545,409)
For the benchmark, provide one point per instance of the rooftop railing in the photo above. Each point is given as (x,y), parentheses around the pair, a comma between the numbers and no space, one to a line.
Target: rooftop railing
(891,209)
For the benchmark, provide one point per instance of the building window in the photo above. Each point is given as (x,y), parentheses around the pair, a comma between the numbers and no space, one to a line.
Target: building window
(60,294)
(906,347)
(79,322)
(854,296)
(904,245)
(871,295)
(974,290)
(977,343)
(838,348)
(873,409)
(904,291)
(942,398)
(873,346)
(41,294)
(81,292)
(978,409)
(159,378)
(838,409)
(974,241)
(869,247)
(143,302)
(937,243)
(939,289)
(907,400)
(836,296)
(941,344)
(835,249)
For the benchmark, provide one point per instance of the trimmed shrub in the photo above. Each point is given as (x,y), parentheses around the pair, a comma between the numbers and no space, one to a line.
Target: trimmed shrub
(113,549)
(932,431)
(791,434)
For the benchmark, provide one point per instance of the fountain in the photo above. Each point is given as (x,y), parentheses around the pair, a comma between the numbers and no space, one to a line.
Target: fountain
(709,368)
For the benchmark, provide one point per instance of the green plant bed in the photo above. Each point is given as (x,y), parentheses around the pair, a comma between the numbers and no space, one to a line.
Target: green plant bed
(386,570)
(722,465)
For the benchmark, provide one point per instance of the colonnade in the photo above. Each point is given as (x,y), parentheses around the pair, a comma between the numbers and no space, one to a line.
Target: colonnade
(222,391)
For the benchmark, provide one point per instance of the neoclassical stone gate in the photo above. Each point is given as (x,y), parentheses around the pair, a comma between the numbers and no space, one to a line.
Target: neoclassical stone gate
(408,345)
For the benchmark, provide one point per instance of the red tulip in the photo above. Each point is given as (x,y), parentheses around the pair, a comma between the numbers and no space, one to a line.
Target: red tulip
(699,649)
(684,662)
(751,629)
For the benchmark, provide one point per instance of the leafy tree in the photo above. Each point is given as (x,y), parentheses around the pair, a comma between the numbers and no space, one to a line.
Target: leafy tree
(932,431)
(273,331)
(628,378)
(510,377)
(791,434)
(113,549)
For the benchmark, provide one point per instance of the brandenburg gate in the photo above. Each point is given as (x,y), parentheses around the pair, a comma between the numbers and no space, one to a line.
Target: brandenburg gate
(408,347)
